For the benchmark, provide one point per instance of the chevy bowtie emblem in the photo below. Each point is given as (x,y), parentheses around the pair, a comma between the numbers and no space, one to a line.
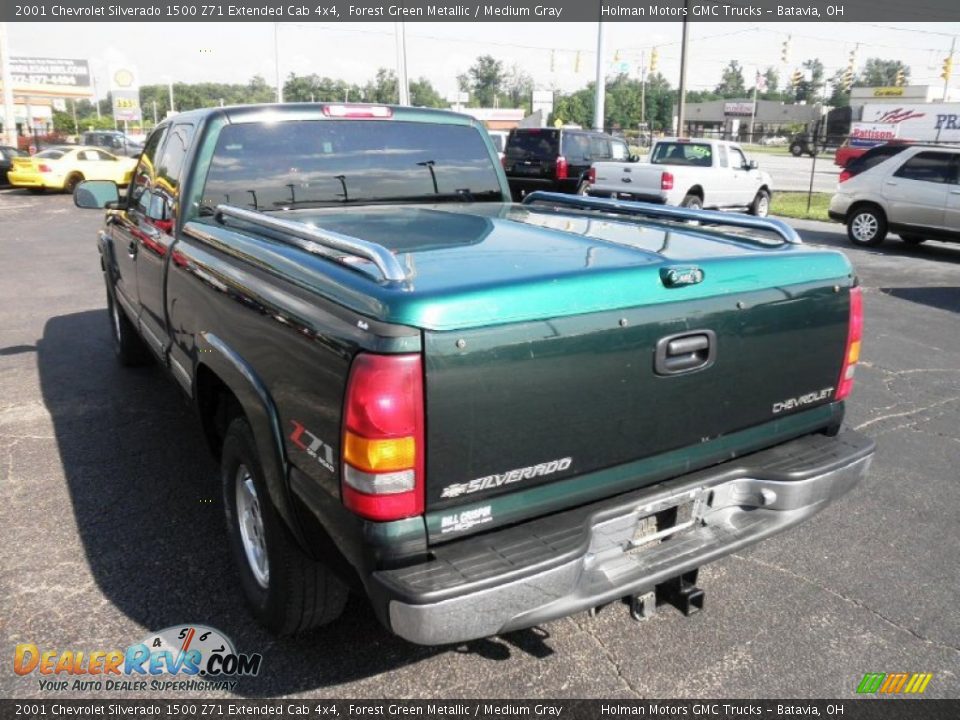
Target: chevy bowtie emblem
(677,276)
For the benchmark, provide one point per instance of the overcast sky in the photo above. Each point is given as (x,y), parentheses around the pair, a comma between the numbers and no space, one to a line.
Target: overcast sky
(234,52)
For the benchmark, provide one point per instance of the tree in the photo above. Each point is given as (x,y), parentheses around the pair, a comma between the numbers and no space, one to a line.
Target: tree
(518,89)
(810,89)
(383,88)
(484,81)
(878,72)
(772,78)
(732,84)
(424,94)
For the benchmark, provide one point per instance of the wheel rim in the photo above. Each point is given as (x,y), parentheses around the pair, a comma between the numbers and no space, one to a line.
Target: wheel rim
(250,519)
(864,227)
(763,206)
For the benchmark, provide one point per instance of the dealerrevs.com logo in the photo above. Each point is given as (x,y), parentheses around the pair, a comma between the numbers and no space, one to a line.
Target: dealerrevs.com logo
(183,657)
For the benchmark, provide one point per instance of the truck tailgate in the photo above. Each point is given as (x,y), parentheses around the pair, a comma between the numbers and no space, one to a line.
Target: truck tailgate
(517,405)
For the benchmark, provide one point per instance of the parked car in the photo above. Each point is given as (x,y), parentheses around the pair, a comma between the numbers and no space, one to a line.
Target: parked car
(690,172)
(63,167)
(348,323)
(556,159)
(114,141)
(914,193)
(7,154)
(499,138)
(774,140)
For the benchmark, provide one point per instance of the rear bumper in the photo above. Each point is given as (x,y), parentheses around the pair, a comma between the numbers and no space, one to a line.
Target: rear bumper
(652,197)
(552,567)
(25,179)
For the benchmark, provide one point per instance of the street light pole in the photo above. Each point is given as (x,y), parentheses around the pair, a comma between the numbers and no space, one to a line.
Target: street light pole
(276,60)
(601,89)
(9,119)
(403,87)
(682,92)
(170,88)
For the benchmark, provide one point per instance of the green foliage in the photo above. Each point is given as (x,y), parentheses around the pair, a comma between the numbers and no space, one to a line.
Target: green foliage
(878,72)
(485,80)
(732,84)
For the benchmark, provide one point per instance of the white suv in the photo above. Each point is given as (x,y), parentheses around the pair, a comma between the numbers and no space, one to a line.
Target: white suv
(915,193)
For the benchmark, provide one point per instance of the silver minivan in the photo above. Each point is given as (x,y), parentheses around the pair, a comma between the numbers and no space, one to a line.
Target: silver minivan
(915,194)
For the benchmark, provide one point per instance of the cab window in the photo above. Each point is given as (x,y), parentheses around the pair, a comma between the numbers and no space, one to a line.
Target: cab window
(724,162)
(599,148)
(619,150)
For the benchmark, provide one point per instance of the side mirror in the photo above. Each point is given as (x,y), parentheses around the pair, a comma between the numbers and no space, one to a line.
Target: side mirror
(158,208)
(752,165)
(96,194)
(633,158)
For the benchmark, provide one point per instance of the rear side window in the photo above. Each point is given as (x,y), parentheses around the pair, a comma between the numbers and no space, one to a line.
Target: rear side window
(271,166)
(533,145)
(575,146)
(676,153)
(934,167)
(599,148)
(54,154)
(873,157)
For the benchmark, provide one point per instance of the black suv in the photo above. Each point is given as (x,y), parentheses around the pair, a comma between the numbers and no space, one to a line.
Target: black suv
(556,159)
(113,141)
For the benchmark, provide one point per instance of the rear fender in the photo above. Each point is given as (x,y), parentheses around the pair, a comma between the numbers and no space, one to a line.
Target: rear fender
(261,412)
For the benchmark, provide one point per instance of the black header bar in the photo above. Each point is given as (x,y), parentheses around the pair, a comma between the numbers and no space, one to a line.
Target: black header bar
(331,11)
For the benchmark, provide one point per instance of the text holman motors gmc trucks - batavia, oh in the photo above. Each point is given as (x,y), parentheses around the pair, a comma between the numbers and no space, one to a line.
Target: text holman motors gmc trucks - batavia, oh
(483,415)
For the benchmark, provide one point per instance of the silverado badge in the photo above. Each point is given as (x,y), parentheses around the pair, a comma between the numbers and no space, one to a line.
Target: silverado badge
(677,276)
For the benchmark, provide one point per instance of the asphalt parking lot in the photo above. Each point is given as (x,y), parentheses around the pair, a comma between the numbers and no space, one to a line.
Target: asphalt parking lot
(113,525)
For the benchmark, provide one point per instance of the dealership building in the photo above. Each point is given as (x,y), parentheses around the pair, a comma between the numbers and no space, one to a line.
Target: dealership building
(730,119)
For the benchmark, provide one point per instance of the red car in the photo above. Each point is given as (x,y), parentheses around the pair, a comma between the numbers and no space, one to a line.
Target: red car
(846,153)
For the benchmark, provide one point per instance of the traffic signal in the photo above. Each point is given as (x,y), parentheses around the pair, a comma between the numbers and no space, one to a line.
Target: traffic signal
(901,79)
(553,60)
(847,79)
(796,79)
(947,68)
(654,57)
(576,63)
(785,52)
(616,56)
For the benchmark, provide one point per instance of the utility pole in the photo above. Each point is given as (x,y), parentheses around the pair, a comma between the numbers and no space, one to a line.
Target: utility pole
(96,93)
(276,61)
(9,118)
(403,87)
(601,88)
(643,87)
(682,91)
(73,110)
(753,109)
(154,111)
(170,89)
(946,75)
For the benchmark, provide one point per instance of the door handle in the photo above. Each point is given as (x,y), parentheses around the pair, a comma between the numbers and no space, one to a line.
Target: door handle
(685,352)
(955,192)
(891,182)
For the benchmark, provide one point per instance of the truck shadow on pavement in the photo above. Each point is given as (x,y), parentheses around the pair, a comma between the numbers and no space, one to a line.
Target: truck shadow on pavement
(893,246)
(942,298)
(147,504)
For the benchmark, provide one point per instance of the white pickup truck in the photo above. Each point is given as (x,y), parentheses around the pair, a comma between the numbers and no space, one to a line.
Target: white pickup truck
(690,172)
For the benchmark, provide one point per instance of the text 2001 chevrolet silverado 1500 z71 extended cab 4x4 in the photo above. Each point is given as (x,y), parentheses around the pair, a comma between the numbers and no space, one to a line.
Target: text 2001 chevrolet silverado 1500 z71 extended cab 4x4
(485,415)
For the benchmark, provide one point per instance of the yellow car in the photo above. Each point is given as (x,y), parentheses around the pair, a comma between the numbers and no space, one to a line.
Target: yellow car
(63,167)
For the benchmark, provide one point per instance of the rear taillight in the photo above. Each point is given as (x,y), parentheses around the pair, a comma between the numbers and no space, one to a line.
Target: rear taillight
(43,167)
(592,176)
(562,168)
(845,175)
(666,181)
(852,354)
(383,437)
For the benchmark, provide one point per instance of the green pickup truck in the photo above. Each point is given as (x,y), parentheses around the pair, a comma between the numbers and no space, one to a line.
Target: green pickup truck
(483,415)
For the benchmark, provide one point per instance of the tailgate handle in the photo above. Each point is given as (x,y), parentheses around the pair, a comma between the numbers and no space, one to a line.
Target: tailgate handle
(685,352)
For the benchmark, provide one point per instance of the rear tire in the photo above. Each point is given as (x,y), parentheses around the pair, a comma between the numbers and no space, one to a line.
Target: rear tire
(287,591)
(796,149)
(761,204)
(910,239)
(70,184)
(866,226)
(129,347)
(582,189)
(693,202)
